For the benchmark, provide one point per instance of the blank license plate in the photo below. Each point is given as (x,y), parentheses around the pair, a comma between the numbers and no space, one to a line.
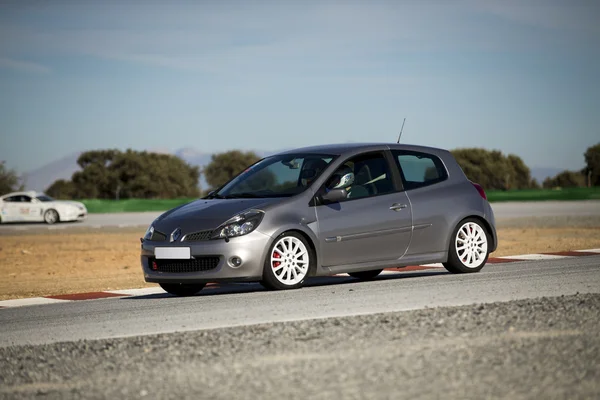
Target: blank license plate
(180,253)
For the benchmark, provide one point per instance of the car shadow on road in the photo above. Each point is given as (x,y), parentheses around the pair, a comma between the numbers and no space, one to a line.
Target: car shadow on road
(250,287)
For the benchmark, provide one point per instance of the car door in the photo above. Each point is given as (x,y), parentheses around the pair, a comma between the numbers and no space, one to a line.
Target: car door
(32,208)
(10,209)
(374,223)
(20,208)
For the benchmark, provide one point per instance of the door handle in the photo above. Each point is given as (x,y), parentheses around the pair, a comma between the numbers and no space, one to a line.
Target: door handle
(397,206)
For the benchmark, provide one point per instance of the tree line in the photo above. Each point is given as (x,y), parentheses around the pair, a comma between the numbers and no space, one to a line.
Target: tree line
(112,174)
(115,174)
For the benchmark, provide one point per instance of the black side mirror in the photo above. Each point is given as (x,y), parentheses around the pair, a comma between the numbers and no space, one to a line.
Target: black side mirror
(334,195)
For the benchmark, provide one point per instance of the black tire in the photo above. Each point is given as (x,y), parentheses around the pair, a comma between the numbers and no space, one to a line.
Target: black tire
(455,264)
(269,280)
(182,289)
(51,216)
(365,275)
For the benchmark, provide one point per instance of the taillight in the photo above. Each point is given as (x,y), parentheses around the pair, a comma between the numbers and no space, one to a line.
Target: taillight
(480,190)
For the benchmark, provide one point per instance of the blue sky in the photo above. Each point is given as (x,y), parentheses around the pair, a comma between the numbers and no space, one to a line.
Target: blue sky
(519,76)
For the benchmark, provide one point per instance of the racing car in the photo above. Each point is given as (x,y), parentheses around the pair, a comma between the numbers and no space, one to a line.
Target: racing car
(39,207)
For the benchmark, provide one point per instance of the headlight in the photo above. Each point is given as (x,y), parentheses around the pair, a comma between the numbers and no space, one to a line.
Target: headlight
(149,232)
(241,224)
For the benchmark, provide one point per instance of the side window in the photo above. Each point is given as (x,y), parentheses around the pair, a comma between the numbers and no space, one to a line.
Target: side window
(420,169)
(18,199)
(362,176)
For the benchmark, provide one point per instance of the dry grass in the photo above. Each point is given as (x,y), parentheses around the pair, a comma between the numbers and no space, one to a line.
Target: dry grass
(514,241)
(59,263)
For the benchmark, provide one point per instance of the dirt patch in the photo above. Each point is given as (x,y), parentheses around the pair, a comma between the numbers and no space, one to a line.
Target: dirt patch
(514,241)
(55,263)
(60,263)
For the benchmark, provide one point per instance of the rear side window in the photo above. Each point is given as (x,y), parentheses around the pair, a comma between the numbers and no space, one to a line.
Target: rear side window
(17,199)
(420,169)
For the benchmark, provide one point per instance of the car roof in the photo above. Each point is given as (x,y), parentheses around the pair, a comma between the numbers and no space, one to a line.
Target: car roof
(343,148)
(30,193)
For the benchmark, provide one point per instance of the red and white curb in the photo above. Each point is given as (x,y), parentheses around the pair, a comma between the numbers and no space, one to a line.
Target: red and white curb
(64,298)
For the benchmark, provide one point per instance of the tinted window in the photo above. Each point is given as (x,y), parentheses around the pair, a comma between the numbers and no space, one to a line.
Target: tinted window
(18,199)
(420,169)
(371,176)
(277,176)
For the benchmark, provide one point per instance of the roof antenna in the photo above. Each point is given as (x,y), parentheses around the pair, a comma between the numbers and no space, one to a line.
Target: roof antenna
(401,129)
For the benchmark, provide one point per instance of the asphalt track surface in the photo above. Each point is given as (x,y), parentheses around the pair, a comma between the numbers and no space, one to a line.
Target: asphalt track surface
(248,304)
(508,210)
(532,348)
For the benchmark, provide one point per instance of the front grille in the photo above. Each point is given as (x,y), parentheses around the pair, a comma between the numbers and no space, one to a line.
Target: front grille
(197,236)
(193,265)
(158,236)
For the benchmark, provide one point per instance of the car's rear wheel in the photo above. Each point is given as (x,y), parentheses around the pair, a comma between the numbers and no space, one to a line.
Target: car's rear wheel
(287,263)
(365,275)
(182,289)
(50,216)
(468,250)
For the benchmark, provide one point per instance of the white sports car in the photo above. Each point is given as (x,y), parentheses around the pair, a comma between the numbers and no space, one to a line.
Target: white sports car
(33,206)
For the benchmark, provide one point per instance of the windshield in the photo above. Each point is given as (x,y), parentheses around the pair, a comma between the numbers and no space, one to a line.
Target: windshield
(276,176)
(44,198)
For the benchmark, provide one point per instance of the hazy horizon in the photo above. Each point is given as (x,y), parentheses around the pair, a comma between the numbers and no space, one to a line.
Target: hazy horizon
(517,77)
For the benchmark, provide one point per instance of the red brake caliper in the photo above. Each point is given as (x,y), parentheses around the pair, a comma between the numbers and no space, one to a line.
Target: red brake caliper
(276,263)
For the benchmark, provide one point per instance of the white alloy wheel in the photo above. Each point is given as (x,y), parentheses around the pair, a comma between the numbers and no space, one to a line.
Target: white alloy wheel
(50,216)
(290,260)
(471,245)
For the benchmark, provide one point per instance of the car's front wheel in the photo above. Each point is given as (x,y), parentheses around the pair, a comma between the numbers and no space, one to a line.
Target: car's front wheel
(50,217)
(182,289)
(287,263)
(468,250)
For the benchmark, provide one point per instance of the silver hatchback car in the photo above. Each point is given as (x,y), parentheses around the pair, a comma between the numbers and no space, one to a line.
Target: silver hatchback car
(317,211)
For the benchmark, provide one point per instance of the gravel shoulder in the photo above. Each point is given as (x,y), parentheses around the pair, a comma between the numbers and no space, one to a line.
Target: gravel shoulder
(529,349)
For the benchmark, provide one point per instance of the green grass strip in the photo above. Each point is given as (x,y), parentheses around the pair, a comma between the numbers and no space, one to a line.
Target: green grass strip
(139,205)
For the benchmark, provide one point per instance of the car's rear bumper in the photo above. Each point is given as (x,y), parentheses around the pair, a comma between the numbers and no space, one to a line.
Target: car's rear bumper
(251,249)
(491,220)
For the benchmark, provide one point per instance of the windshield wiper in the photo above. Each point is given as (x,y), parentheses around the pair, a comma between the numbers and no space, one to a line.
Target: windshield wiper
(215,196)
(244,196)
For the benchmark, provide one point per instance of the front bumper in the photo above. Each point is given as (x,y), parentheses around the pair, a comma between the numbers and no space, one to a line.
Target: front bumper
(250,248)
(73,215)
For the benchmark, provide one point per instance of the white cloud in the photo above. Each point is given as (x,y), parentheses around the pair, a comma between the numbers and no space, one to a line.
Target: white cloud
(23,66)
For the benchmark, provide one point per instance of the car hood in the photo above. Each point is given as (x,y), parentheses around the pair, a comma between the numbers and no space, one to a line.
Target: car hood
(205,214)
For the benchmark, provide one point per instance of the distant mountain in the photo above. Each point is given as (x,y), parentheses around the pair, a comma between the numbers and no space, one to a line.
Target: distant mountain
(41,178)
(193,156)
(541,173)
